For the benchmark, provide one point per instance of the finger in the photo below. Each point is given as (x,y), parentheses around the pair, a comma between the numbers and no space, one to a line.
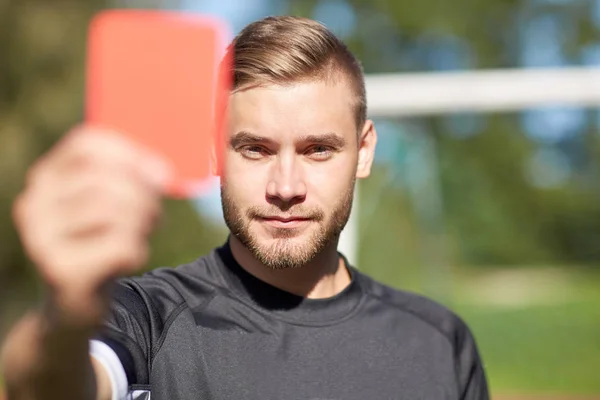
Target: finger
(115,253)
(100,148)
(92,262)
(94,203)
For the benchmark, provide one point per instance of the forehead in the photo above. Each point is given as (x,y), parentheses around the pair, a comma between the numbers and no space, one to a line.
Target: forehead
(296,109)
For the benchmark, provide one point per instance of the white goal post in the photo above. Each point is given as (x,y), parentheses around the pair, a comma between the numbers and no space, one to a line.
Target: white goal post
(422,94)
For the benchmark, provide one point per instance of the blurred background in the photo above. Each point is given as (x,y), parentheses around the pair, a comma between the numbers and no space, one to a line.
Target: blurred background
(495,214)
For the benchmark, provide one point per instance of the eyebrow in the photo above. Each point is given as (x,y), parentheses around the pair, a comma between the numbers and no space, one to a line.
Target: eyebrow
(244,138)
(330,139)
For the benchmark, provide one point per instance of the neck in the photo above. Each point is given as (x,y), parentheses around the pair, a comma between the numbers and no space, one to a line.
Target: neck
(325,276)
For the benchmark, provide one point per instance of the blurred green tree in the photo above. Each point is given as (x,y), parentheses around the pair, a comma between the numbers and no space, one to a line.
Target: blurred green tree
(42,48)
(494,211)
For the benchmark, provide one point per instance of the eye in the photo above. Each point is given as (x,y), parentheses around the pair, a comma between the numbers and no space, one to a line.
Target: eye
(253,151)
(320,152)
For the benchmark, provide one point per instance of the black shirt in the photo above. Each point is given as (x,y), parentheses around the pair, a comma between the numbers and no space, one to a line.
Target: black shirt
(211,330)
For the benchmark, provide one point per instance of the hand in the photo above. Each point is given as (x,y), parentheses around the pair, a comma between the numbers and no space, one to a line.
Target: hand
(85,215)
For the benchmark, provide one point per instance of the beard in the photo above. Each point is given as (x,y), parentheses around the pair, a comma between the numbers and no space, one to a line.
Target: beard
(285,251)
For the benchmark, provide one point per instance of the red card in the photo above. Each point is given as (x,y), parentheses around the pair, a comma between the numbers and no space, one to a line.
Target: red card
(154,77)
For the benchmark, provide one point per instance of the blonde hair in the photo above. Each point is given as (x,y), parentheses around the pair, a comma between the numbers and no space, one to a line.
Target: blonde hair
(284,49)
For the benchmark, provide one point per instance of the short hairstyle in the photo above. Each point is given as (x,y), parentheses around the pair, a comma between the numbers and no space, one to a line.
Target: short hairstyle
(285,49)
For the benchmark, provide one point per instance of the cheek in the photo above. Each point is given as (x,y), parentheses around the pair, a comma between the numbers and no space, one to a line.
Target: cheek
(242,180)
(329,181)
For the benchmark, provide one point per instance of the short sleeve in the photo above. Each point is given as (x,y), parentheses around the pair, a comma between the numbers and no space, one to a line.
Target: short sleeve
(128,330)
(113,367)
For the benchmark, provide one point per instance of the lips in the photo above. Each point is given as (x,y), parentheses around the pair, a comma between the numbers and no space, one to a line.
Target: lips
(285,222)
(285,219)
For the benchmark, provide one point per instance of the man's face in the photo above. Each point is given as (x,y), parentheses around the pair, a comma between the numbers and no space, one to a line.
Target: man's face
(291,159)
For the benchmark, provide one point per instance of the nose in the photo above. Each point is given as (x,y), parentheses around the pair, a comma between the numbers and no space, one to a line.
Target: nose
(286,183)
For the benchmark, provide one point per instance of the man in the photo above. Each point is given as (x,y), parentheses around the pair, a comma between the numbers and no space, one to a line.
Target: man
(276,312)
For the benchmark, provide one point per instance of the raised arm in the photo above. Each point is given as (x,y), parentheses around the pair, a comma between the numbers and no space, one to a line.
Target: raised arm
(84,218)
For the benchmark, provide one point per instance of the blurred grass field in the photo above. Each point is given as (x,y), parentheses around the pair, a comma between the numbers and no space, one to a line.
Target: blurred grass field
(545,341)
(538,329)
(537,326)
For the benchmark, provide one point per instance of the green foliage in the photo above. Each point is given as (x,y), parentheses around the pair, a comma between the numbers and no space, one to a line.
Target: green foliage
(42,45)
(491,213)
(42,81)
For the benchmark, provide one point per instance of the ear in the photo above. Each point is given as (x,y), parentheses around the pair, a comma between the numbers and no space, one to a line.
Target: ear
(367,141)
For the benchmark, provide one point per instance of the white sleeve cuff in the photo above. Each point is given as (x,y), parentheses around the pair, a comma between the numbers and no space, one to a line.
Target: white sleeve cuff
(113,366)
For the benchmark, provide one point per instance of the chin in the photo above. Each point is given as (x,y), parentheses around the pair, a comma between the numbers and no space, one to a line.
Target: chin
(295,235)
(285,248)
(269,235)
